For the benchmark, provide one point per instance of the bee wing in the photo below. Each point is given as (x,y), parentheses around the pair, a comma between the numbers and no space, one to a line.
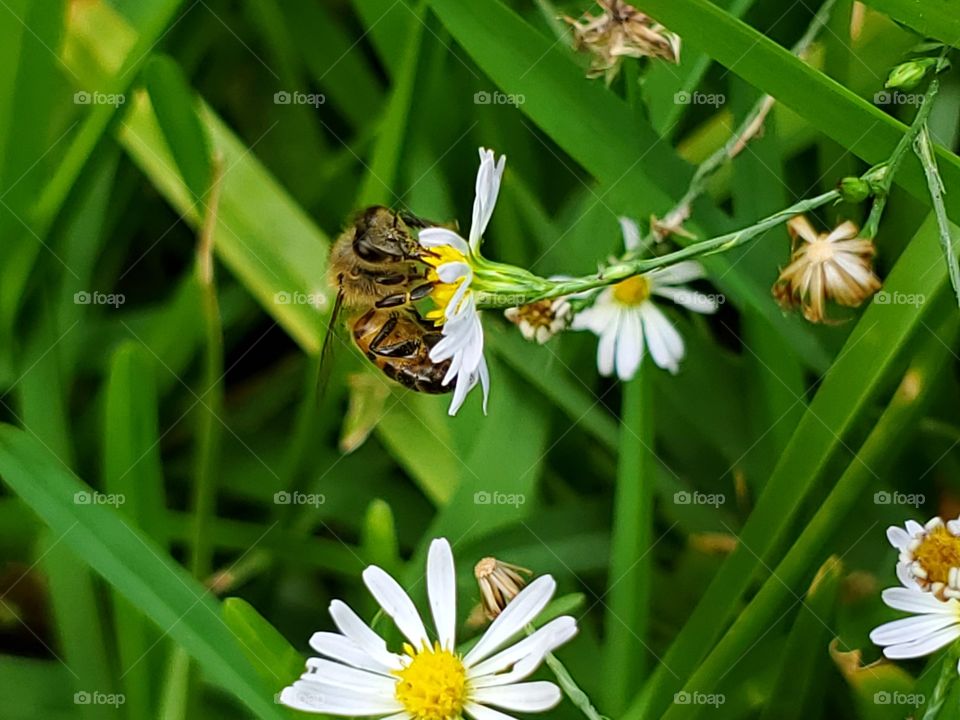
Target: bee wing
(325,364)
(418,223)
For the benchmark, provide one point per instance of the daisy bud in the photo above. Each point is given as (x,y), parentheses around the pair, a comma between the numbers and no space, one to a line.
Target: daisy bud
(500,582)
(541,320)
(907,75)
(854,190)
(835,266)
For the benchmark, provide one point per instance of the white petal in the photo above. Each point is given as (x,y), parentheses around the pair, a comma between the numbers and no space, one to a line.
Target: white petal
(397,604)
(663,340)
(918,602)
(690,299)
(923,646)
(487,188)
(442,590)
(452,271)
(438,237)
(318,697)
(465,383)
(631,233)
(328,672)
(682,272)
(484,382)
(913,527)
(350,624)
(523,697)
(479,712)
(606,349)
(518,613)
(905,576)
(910,629)
(596,318)
(532,648)
(343,649)
(898,537)
(629,345)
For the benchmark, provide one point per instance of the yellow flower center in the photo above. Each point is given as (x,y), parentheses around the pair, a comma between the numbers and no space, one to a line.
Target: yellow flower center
(632,291)
(820,251)
(938,552)
(442,292)
(434,685)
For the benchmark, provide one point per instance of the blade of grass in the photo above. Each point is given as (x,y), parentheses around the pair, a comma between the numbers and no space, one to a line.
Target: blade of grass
(132,563)
(933,18)
(626,618)
(132,470)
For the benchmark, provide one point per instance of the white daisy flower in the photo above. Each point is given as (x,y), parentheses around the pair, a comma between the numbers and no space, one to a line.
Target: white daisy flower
(929,556)
(358,675)
(628,322)
(453,261)
(934,624)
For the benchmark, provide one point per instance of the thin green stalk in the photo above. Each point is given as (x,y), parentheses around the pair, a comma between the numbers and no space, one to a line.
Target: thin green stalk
(881,177)
(786,580)
(569,686)
(948,676)
(923,147)
(537,288)
(211,392)
(628,591)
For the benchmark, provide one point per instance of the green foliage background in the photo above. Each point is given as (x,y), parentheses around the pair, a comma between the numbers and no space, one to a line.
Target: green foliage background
(195,403)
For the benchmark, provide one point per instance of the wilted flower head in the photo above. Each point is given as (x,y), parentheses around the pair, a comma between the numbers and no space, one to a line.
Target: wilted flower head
(621,31)
(540,320)
(500,582)
(835,266)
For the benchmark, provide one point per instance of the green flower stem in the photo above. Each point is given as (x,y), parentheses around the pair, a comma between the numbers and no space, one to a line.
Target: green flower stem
(948,676)
(569,686)
(923,147)
(881,177)
(531,288)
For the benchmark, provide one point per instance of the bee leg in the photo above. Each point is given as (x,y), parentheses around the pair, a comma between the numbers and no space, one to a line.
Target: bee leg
(405,298)
(400,349)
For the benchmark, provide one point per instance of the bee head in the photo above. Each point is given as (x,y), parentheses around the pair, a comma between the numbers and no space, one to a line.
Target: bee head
(381,236)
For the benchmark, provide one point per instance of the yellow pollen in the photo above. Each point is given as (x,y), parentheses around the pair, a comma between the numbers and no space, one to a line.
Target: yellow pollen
(433,686)
(632,291)
(938,552)
(820,251)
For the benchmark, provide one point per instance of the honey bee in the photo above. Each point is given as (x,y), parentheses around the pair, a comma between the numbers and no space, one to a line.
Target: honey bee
(376,266)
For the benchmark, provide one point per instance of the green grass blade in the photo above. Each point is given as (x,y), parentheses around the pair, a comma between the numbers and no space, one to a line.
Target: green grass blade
(631,563)
(174,106)
(132,563)
(934,18)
